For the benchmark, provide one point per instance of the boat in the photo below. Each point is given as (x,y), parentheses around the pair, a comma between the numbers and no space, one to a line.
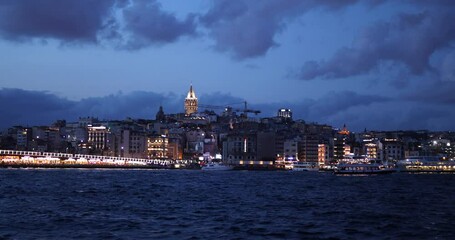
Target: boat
(429,164)
(305,166)
(216,166)
(363,165)
(328,168)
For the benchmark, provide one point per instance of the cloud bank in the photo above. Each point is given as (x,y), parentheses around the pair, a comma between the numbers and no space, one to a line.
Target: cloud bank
(124,24)
(68,21)
(246,29)
(410,39)
(358,111)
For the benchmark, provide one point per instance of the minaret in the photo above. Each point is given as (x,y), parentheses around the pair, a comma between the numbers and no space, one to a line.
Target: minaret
(190,102)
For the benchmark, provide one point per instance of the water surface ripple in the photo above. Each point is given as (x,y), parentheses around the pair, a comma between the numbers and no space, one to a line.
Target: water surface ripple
(151,204)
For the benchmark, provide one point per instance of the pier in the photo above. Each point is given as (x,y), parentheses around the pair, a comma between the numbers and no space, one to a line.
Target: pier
(15,158)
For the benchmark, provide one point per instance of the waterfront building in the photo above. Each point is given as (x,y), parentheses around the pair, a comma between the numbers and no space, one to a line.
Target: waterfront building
(129,143)
(265,146)
(392,149)
(280,138)
(23,138)
(253,149)
(291,149)
(76,136)
(210,144)
(240,147)
(191,102)
(341,148)
(98,138)
(195,139)
(46,139)
(309,148)
(157,146)
(372,149)
(442,147)
(39,145)
(323,154)
(281,135)
(174,149)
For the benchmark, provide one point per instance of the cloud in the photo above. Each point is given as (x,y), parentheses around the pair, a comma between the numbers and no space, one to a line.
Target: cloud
(447,69)
(410,39)
(247,29)
(360,111)
(125,24)
(30,107)
(139,104)
(331,108)
(396,115)
(147,24)
(335,102)
(438,92)
(68,21)
(440,3)
(42,108)
(221,99)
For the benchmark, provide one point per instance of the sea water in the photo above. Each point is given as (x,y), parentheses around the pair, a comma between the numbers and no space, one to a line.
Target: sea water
(192,204)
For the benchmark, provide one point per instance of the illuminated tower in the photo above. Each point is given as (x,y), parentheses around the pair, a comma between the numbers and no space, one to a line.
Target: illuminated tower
(190,102)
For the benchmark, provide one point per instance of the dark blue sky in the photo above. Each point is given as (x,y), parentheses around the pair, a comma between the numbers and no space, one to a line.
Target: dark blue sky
(378,64)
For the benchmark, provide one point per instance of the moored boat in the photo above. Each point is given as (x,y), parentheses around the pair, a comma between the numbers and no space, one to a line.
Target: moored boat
(430,164)
(216,166)
(363,165)
(305,166)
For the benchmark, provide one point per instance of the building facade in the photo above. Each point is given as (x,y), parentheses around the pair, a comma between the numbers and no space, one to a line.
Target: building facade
(285,113)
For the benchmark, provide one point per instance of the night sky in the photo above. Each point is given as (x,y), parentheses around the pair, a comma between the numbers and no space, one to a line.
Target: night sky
(379,65)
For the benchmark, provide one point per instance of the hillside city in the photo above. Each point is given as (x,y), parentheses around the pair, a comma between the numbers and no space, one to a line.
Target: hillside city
(232,136)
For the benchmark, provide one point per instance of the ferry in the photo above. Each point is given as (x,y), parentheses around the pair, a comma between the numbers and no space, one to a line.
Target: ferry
(363,165)
(216,166)
(430,164)
(328,168)
(305,166)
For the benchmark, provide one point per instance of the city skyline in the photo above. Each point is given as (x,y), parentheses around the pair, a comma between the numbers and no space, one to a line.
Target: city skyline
(382,65)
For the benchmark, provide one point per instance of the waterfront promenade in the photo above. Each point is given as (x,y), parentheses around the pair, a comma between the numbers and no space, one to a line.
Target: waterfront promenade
(14,158)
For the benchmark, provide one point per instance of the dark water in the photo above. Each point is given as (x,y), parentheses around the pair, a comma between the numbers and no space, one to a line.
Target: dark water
(133,204)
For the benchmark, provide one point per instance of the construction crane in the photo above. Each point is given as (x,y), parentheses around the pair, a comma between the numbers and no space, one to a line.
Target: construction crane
(246,110)
(228,108)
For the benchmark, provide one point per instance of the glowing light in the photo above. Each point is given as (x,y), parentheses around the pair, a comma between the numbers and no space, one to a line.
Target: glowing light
(244,145)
